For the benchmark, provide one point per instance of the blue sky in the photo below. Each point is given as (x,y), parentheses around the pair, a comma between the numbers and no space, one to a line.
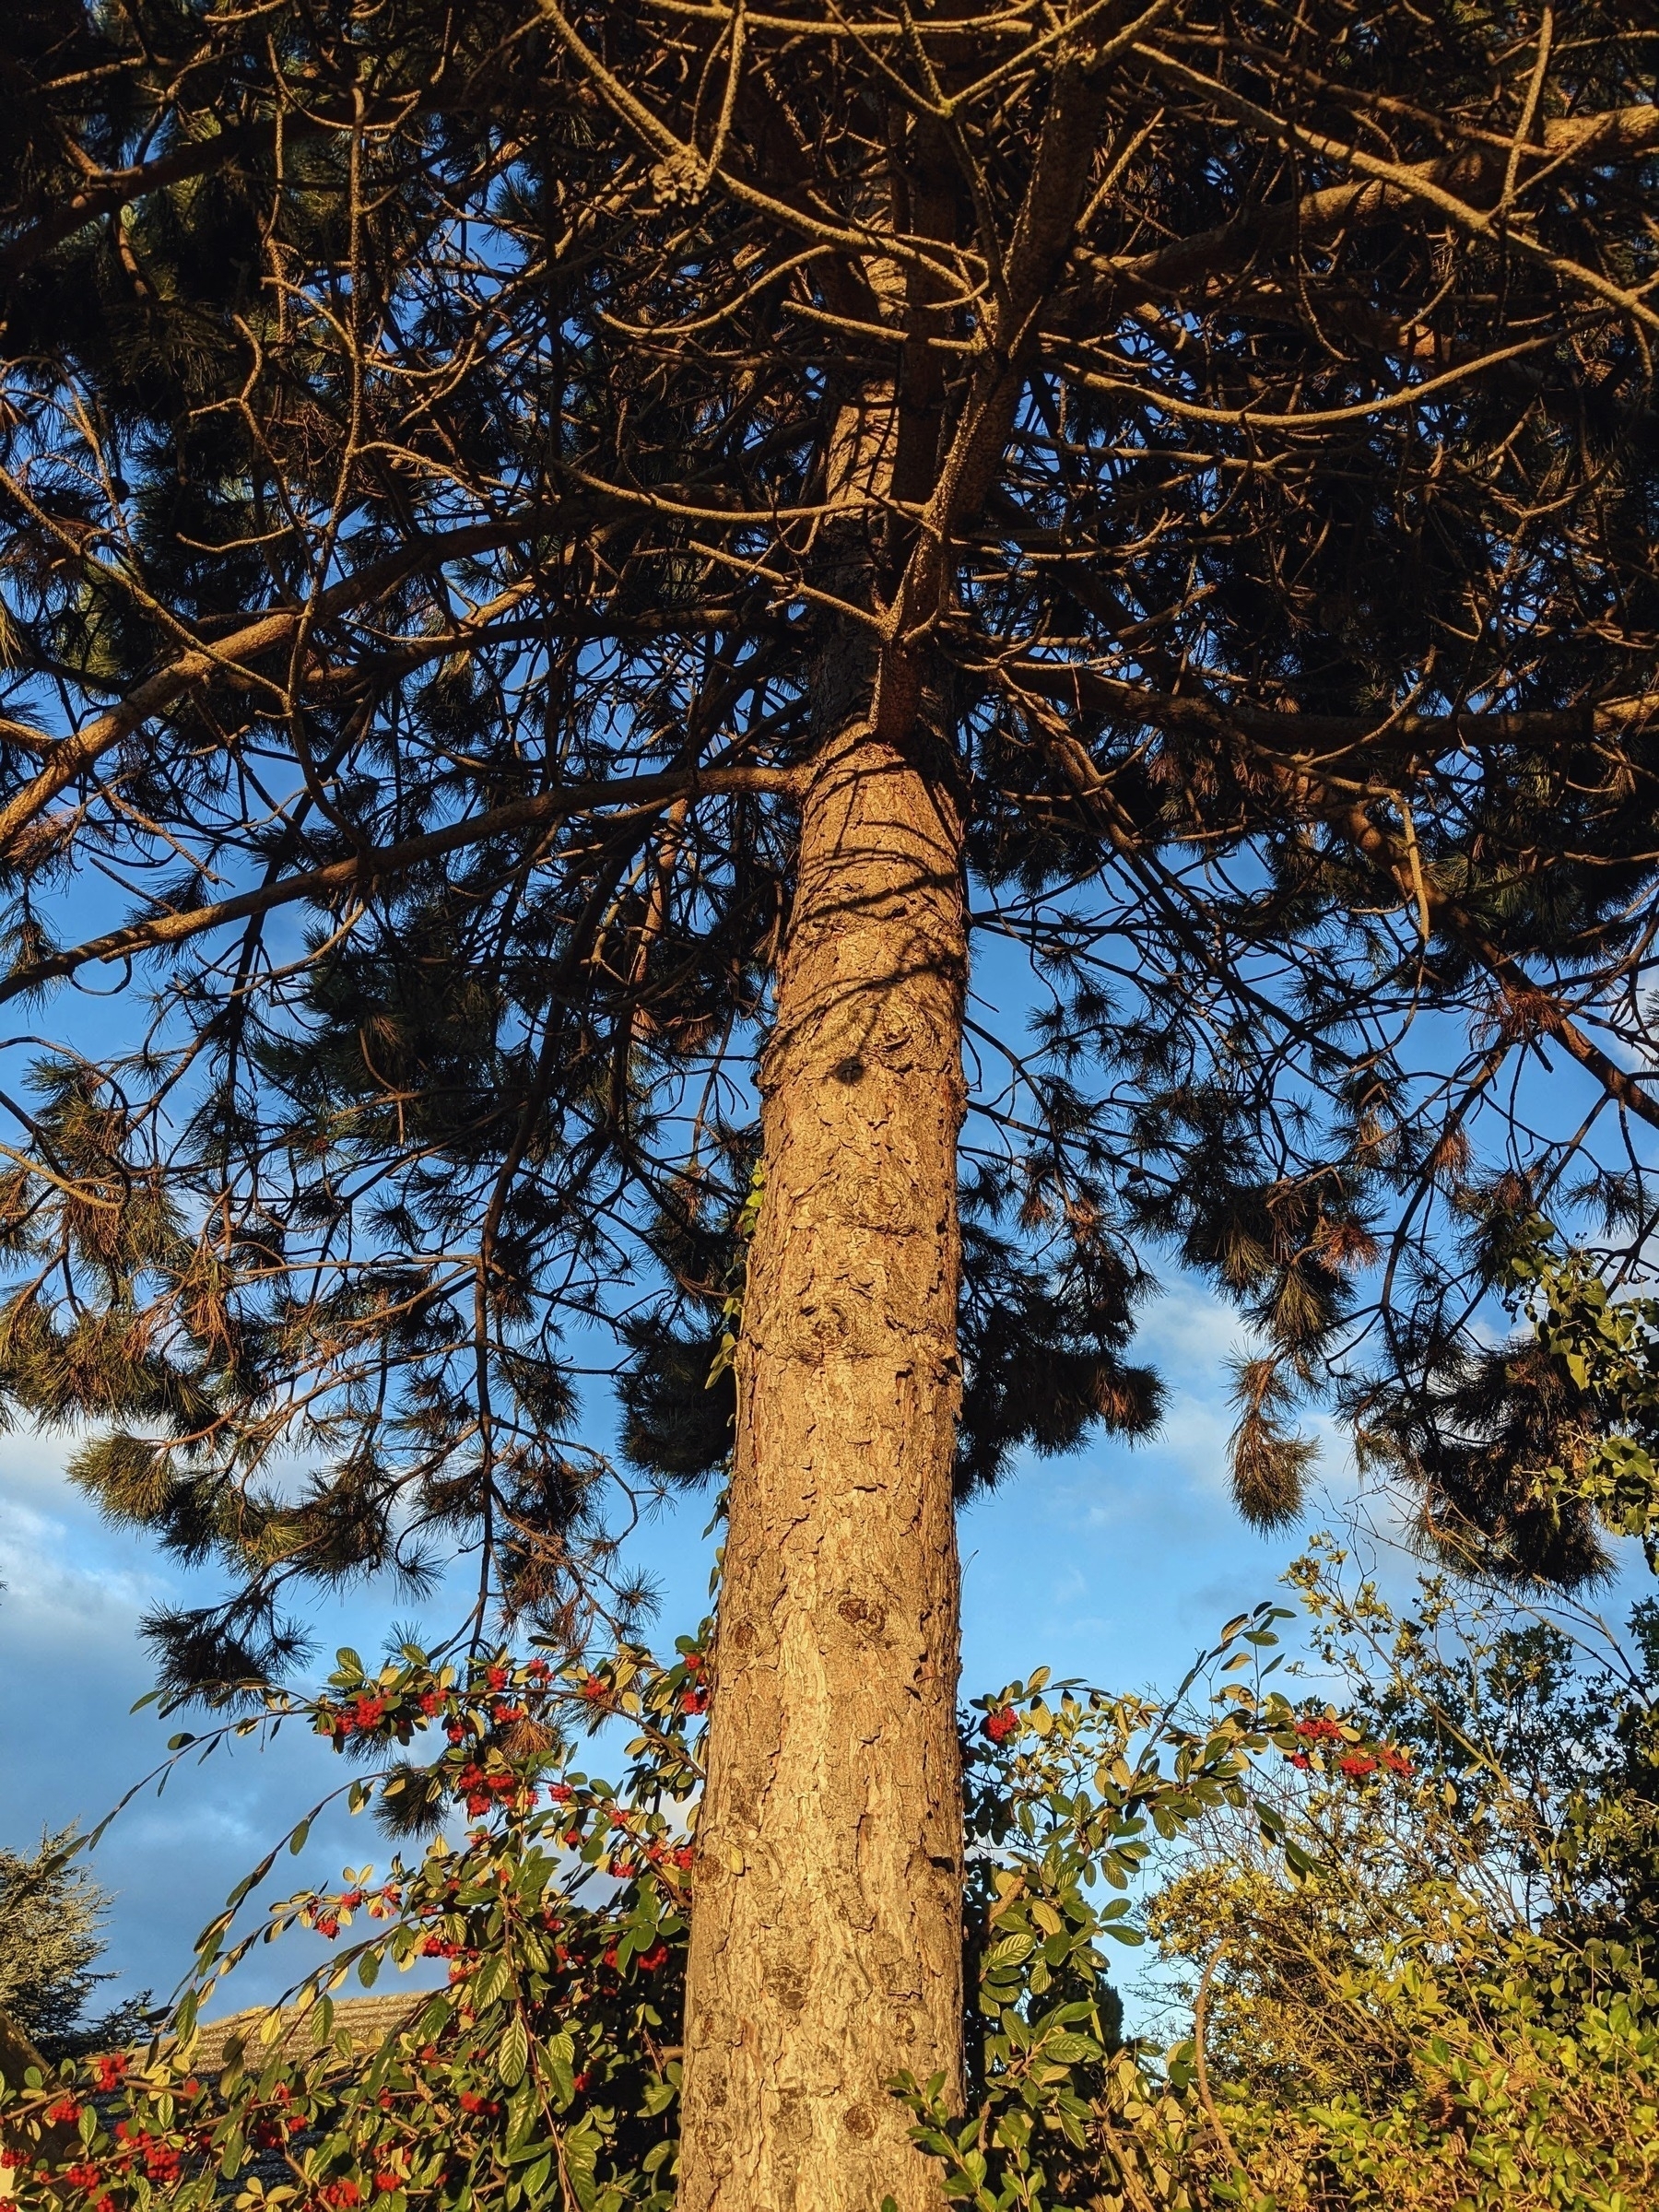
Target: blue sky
(1114,1564)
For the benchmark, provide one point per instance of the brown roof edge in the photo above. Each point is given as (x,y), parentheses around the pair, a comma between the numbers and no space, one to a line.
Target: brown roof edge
(368,2021)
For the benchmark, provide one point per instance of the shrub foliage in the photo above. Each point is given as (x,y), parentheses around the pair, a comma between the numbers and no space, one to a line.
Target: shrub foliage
(1413,1989)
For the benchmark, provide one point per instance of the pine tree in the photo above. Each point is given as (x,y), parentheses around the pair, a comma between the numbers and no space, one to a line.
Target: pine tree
(570,571)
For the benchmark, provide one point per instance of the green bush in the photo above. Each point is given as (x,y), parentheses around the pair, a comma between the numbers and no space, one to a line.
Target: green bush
(1400,1913)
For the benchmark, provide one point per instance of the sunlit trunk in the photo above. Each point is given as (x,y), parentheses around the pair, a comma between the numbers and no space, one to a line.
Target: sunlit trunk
(825,1949)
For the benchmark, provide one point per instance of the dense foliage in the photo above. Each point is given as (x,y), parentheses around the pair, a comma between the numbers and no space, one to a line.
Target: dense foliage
(1463,2007)
(558,1912)
(1424,1918)
(424,459)
(547,2069)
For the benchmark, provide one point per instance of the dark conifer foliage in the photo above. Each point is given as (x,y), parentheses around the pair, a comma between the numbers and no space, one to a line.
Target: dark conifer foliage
(417,581)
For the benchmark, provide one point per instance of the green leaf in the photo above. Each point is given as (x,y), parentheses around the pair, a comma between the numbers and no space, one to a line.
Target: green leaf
(490,1984)
(1010,1952)
(581,2159)
(1302,1863)
(1068,2049)
(250,1881)
(515,2053)
(561,2052)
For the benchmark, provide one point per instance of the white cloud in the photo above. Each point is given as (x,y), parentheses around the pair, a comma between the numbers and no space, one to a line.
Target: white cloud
(70,1745)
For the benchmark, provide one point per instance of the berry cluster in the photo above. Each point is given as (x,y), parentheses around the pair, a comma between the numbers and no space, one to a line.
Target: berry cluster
(559,1919)
(1322,1736)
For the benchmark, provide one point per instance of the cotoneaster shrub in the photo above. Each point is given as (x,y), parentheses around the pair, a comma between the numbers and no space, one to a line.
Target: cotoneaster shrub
(546,2071)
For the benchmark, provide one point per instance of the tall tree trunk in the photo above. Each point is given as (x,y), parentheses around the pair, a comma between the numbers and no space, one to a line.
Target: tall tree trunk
(826,1943)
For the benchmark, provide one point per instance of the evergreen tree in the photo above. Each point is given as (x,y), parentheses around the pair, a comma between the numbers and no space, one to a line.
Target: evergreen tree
(568,569)
(52,1918)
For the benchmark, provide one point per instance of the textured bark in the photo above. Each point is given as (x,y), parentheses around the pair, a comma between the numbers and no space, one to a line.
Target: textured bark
(826,1947)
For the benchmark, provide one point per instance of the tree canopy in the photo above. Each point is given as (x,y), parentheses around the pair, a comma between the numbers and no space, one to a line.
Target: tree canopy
(450,461)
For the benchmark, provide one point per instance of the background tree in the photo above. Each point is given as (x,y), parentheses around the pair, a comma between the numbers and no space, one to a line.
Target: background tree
(52,1917)
(565,564)
(1528,1738)
(1478,1801)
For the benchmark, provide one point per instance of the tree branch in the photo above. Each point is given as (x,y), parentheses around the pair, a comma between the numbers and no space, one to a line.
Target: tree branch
(113,188)
(1320,216)
(1089,690)
(361,871)
(231,659)
(1536,1007)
